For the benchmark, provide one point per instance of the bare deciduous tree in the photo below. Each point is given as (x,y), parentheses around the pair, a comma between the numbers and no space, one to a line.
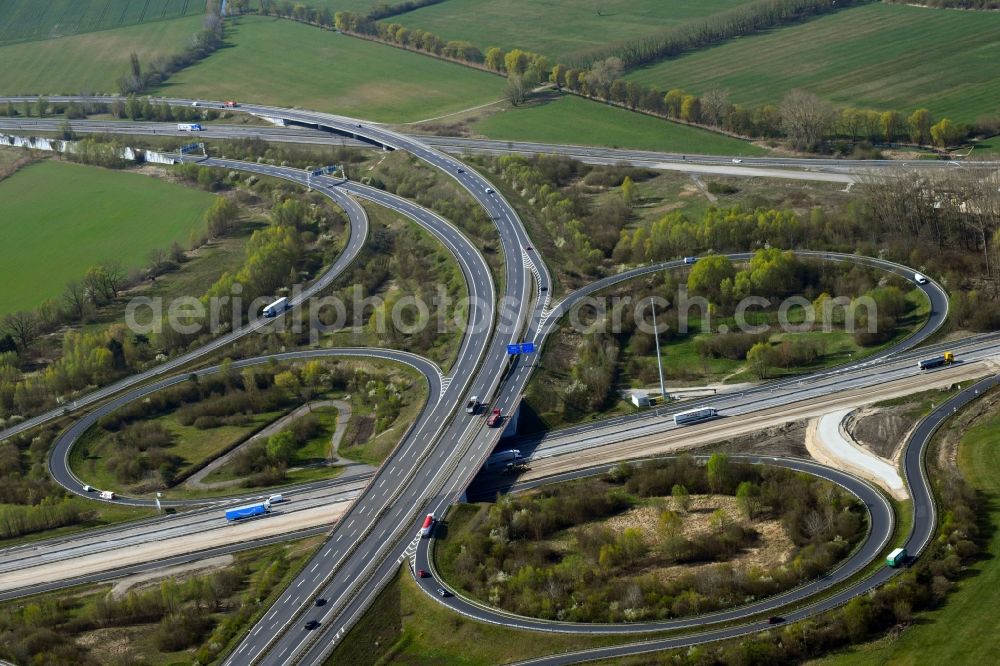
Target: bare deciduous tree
(805,118)
(23,326)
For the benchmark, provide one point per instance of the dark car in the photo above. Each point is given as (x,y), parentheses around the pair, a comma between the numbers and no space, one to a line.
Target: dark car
(321,602)
(422,573)
(774,619)
(312,624)
(461,170)
(443,592)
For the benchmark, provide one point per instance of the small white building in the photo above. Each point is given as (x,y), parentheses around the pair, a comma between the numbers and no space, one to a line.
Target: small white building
(640,399)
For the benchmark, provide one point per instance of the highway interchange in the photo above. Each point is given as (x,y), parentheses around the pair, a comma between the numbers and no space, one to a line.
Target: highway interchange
(435,462)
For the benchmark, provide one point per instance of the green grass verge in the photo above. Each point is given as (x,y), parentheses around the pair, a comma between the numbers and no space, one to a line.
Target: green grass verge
(22,20)
(990,145)
(60,218)
(405,626)
(885,56)
(91,62)
(560,31)
(272,61)
(963,630)
(570,119)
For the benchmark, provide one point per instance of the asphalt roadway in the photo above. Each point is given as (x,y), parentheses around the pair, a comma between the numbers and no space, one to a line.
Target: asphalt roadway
(835,170)
(881,525)
(921,533)
(361,568)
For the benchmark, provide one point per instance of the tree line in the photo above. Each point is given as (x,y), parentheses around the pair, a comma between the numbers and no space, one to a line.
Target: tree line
(399,35)
(743,20)
(204,42)
(955,4)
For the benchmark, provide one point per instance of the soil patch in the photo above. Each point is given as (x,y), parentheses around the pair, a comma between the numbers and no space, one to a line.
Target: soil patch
(787,439)
(881,430)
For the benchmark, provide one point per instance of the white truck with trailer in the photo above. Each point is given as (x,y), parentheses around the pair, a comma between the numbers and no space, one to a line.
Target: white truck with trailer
(189,127)
(276,308)
(695,415)
(503,458)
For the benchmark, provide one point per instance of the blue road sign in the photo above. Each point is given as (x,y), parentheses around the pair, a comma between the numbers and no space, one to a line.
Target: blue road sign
(527,347)
(513,349)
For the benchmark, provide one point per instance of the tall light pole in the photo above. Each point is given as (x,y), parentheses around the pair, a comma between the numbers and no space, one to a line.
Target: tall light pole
(659,361)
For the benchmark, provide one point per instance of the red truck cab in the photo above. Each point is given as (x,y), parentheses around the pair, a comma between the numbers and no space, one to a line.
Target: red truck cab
(231,104)
(495,418)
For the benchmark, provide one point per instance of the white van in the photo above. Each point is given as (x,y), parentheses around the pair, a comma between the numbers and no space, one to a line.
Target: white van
(920,279)
(275,499)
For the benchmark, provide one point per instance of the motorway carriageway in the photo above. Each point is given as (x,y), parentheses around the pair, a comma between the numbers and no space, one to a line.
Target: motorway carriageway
(921,532)
(553,455)
(511,234)
(803,168)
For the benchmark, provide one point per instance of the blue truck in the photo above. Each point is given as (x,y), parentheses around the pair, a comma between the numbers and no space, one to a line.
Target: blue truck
(248,511)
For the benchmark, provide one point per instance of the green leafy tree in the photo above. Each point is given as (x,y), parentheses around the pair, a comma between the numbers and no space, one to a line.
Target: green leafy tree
(748,498)
(691,109)
(494,59)
(757,359)
(920,122)
(717,472)
(944,133)
(707,275)
(681,497)
(280,447)
(629,192)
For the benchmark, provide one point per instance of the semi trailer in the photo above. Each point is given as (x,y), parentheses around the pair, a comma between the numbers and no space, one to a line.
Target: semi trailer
(248,511)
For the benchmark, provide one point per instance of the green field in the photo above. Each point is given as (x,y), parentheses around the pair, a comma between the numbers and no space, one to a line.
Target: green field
(574,120)
(358,6)
(59,219)
(963,631)
(559,29)
(91,62)
(878,55)
(991,145)
(280,62)
(22,20)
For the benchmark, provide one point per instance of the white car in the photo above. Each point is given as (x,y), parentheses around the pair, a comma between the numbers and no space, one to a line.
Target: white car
(920,279)
(489,190)
(737,160)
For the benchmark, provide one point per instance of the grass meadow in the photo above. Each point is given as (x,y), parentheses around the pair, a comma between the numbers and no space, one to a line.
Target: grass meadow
(60,218)
(22,20)
(878,55)
(570,119)
(90,62)
(273,61)
(561,30)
